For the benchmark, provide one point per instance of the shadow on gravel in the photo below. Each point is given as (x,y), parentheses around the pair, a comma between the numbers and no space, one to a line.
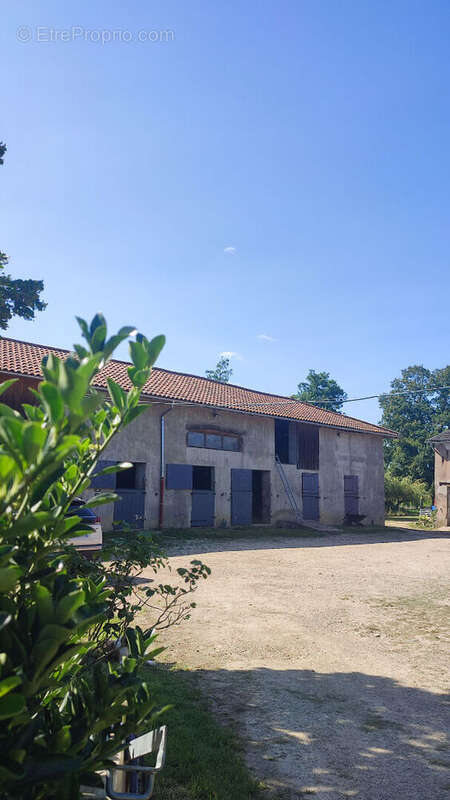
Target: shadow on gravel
(260,539)
(335,735)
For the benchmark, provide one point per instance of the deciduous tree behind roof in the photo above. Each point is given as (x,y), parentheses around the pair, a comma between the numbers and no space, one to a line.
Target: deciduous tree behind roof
(421,411)
(322,390)
(222,372)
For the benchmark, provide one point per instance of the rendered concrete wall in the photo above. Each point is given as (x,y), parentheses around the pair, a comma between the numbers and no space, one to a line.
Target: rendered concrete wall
(139,442)
(257,453)
(441,491)
(341,453)
(360,454)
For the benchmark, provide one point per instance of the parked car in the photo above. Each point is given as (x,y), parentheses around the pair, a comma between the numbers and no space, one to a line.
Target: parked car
(90,542)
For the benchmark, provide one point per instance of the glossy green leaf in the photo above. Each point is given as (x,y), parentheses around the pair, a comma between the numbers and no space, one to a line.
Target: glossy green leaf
(84,327)
(5,619)
(31,522)
(11,429)
(138,355)
(120,467)
(6,384)
(69,604)
(44,604)
(72,472)
(53,401)
(33,440)
(8,684)
(117,394)
(62,740)
(101,499)
(11,705)
(133,413)
(154,348)
(7,411)
(9,578)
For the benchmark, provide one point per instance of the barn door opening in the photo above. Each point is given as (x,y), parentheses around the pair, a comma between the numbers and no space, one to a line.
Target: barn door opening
(203,497)
(260,496)
(310,495)
(250,496)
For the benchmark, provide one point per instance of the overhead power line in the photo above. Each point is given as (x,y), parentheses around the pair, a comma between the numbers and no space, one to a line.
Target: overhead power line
(392,394)
(352,399)
(292,400)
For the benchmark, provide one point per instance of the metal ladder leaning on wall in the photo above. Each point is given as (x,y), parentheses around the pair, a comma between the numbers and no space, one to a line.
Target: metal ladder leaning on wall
(288,490)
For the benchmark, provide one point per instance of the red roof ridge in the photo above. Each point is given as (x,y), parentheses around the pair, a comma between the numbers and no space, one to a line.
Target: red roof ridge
(241,404)
(35,344)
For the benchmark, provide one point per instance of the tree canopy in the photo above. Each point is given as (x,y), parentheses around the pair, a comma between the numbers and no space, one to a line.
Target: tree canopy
(18,297)
(419,412)
(405,492)
(322,390)
(222,371)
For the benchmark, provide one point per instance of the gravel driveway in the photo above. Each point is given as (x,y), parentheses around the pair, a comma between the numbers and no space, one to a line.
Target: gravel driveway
(329,655)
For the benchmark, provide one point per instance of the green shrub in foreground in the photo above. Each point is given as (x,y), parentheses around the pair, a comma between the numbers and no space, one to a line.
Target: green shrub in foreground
(63,711)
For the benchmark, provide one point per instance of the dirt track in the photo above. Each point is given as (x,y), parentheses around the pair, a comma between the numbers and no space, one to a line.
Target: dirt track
(329,654)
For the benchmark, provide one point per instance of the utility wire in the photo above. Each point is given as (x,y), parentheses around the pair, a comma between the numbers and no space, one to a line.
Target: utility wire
(292,401)
(353,399)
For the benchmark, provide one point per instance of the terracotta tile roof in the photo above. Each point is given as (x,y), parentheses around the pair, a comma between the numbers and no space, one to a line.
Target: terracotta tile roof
(24,358)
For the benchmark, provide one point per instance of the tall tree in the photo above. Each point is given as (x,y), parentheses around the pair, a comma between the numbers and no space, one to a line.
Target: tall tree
(322,390)
(18,298)
(416,407)
(222,372)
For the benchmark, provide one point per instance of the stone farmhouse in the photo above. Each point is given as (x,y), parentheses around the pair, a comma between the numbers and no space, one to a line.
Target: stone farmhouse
(212,454)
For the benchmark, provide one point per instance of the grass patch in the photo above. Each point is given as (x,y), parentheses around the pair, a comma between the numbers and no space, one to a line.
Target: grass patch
(234,534)
(204,759)
(219,534)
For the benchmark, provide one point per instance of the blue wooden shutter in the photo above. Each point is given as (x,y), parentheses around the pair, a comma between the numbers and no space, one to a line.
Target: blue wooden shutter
(308,446)
(202,514)
(351,494)
(179,476)
(310,495)
(104,481)
(241,480)
(241,496)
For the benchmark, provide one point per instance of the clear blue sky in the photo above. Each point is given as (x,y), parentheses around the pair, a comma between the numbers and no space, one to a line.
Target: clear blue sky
(310,137)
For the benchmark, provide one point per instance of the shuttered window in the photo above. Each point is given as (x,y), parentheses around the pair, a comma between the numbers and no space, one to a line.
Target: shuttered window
(104,481)
(308,447)
(179,476)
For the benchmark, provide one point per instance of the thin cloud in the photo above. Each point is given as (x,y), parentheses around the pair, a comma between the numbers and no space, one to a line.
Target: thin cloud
(231,251)
(231,354)
(265,338)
